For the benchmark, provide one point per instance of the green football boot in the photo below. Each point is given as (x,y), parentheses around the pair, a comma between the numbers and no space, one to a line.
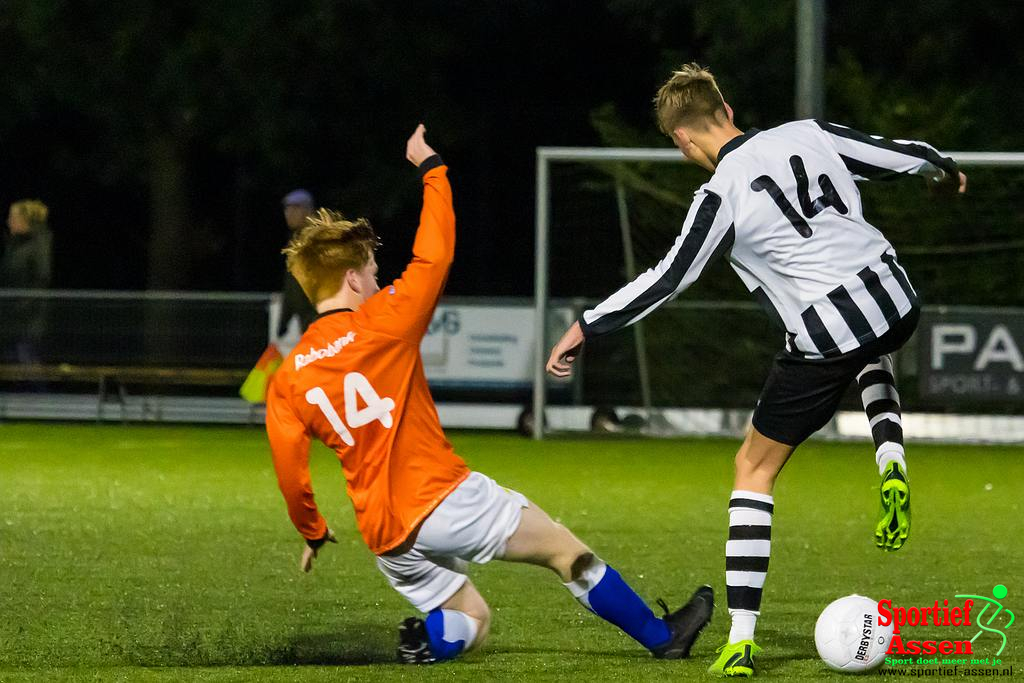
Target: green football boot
(736,660)
(894,526)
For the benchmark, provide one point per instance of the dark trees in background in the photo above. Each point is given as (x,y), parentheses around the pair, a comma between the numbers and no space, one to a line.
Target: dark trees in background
(164,133)
(153,82)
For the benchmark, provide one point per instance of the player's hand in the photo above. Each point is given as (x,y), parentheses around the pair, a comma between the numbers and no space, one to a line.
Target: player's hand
(946,184)
(565,352)
(416,149)
(312,548)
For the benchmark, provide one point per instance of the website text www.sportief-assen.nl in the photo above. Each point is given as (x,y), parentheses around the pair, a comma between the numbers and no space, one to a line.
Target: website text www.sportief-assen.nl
(947,671)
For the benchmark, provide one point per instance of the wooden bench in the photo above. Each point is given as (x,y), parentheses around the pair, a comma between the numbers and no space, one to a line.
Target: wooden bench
(104,376)
(108,377)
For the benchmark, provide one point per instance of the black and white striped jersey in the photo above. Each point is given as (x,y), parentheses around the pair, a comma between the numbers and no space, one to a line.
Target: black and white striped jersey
(783,207)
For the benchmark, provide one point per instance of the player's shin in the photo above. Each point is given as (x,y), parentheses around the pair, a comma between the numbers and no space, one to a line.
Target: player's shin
(450,632)
(746,559)
(881,401)
(603,591)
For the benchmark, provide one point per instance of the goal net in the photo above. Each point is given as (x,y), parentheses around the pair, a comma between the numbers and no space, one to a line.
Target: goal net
(696,365)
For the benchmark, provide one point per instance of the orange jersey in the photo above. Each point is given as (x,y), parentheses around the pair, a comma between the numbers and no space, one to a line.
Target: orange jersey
(355,381)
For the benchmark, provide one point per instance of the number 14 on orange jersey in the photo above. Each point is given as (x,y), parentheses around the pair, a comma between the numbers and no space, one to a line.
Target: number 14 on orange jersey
(356,387)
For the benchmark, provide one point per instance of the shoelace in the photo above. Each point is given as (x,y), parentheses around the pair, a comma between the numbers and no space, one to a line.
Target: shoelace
(663,605)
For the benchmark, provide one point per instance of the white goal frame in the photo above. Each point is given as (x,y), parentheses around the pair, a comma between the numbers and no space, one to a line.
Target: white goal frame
(549,155)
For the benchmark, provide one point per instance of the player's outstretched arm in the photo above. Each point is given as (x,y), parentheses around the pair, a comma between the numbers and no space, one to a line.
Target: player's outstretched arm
(708,233)
(404,309)
(873,157)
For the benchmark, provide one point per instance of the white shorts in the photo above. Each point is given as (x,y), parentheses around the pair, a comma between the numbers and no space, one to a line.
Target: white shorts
(472,524)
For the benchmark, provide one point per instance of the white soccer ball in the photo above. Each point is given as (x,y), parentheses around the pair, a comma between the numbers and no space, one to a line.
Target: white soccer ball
(848,636)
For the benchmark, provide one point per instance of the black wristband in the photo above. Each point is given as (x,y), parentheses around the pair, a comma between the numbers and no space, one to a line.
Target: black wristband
(430,163)
(315,543)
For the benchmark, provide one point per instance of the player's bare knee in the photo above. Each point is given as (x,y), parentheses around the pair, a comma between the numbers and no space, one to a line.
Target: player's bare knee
(746,464)
(483,628)
(484,616)
(758,462)
(477,608)
(757,468)
(480,613)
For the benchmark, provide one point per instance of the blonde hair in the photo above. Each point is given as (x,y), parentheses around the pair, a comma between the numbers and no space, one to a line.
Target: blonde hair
(320,253)
(33,211)
(689,98)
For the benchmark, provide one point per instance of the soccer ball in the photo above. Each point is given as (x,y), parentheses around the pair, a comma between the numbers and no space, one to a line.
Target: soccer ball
(848,636)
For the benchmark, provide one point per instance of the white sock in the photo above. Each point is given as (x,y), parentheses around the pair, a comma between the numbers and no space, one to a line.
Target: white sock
(589,577)
(890,452)
(451,632)
(743,623)
(459,626)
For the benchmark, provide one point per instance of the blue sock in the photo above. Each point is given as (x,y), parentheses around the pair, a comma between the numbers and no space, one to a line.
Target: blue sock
(602,590)
(450,632)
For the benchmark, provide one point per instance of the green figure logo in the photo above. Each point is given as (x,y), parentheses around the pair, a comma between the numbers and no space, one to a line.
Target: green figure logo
(999,592)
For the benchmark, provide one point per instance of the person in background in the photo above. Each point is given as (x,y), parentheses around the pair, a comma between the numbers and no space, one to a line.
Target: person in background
(298,206)
(27,264)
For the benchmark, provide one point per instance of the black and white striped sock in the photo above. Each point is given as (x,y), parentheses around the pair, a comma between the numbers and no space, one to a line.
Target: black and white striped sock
(746,559)
(882,406)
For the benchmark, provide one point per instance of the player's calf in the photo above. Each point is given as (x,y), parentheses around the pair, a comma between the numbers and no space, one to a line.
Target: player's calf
(759,461)
(602,590)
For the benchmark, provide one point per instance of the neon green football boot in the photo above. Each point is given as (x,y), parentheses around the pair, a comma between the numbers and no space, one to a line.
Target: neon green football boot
(894,526)
(736,660)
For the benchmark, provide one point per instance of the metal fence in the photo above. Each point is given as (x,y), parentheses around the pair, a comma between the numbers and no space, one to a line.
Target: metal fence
(148,329)
(575,274)
(181,356)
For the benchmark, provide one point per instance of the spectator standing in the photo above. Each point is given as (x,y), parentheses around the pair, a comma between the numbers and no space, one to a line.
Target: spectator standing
(298,206)
(27,264)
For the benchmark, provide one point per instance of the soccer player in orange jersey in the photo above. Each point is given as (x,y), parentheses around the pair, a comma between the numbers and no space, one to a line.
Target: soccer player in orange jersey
(355,381)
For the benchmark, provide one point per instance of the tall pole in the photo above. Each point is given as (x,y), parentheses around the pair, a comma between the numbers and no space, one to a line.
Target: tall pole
(540,293)
(810,59)
(638,328)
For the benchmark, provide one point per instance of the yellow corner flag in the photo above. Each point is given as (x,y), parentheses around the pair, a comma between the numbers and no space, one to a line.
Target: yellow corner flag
(254,388)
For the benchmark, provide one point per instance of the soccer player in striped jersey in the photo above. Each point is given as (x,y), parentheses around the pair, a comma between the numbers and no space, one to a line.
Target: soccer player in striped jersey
(782,205)
(355,382)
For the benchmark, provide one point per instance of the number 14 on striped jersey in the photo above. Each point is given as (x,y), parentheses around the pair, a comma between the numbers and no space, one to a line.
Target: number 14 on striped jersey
(356,387)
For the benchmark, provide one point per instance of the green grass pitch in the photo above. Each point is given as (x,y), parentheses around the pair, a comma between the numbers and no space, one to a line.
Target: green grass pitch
(165,553)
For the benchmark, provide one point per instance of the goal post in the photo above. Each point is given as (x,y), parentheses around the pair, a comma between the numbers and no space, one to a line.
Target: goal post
(549,156)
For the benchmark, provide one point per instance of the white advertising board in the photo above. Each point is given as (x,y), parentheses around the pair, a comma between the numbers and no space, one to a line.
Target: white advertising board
(485,346)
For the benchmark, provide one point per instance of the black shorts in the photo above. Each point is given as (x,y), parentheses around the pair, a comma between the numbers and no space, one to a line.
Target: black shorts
(800,396)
